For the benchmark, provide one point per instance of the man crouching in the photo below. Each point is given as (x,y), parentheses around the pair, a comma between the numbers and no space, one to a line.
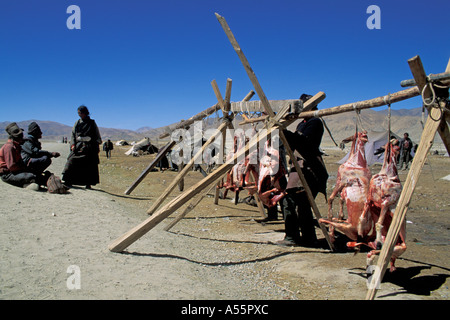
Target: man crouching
(12,168)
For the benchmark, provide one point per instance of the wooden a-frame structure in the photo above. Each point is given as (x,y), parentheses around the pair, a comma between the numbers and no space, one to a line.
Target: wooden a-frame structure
(438,119)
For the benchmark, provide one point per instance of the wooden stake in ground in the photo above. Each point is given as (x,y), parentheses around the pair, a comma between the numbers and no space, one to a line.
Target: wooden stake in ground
(426,141)
(189,208)
(144,173)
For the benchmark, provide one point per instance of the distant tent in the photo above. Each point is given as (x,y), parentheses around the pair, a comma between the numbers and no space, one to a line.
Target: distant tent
(142,146)
(377,139)
(122,143)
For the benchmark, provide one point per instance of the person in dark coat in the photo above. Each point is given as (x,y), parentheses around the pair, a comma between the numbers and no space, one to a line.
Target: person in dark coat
(406,146)
(107,147)
(298,216)
(82,163)
(36,159)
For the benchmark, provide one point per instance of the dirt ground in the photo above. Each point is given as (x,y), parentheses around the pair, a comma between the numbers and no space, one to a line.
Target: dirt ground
(216,252)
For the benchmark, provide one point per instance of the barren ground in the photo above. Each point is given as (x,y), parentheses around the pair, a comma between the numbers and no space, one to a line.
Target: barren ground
(216,252)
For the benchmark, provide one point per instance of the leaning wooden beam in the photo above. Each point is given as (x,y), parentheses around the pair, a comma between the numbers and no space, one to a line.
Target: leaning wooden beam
(138,231)
(426,141)
(199,116)
(420,78)
(234,106)
(308,105)
(275,119)
(366,104)
(257,105)
(149,168)
(402,205)
(188,209)
(443,77)
(359,105)
(246,64)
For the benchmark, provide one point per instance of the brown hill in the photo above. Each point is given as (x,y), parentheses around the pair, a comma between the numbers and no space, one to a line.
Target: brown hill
(54,131)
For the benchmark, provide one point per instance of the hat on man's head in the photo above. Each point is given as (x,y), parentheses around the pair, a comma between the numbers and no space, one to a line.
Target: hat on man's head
(34,129)
(305,97)
(13,130)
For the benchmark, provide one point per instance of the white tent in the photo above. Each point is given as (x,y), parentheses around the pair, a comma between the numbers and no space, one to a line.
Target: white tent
(134,149)
(377,139)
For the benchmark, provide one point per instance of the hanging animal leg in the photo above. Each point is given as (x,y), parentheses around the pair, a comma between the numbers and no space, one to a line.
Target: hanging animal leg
(336,190)
(346,228)
(341,207)
(379,225)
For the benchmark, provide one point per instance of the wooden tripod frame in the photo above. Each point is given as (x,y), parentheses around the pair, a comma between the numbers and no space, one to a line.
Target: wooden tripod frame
(432,126)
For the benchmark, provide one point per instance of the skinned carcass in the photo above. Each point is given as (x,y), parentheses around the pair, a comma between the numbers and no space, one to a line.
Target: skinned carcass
(238,177)
(272,180)
(353,185)
(384,193)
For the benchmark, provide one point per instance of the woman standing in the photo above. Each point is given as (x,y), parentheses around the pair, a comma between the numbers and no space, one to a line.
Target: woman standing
(82,163)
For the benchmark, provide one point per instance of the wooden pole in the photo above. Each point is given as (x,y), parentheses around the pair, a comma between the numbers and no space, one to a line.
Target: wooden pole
(444,77)
(144,173)
(403,203)
(275,119)
(246,64)
(426,141)
(360,105)
(188,209)
(199,116)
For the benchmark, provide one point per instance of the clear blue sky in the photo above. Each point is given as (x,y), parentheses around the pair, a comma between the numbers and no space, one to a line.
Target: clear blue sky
(150,63)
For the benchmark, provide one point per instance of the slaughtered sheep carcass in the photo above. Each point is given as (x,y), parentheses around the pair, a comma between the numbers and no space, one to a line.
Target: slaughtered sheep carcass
(272,180)
(353,185)
(239,176)
(384,193)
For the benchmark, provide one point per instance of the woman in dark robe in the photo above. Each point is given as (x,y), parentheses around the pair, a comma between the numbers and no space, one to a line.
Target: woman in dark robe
(82,163)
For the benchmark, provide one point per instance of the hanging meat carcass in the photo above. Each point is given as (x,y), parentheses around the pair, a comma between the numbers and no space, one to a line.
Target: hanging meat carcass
(228,184)
(272,180)
(384,193)
(240,175)
(353,185)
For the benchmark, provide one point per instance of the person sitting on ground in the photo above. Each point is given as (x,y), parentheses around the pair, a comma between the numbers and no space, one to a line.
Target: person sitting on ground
(12,168)
(36,159)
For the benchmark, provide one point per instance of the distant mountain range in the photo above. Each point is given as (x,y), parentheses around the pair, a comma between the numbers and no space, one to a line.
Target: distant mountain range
(341,126)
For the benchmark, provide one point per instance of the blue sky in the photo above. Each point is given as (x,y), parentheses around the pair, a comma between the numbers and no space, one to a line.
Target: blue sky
(150,63)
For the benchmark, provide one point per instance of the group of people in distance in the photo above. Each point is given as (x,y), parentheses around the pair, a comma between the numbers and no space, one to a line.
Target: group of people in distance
(23,163)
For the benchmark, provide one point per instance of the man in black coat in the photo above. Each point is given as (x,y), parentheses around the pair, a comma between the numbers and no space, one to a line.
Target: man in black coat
(405,151)
(305,143)
(36,159)
(107,147)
